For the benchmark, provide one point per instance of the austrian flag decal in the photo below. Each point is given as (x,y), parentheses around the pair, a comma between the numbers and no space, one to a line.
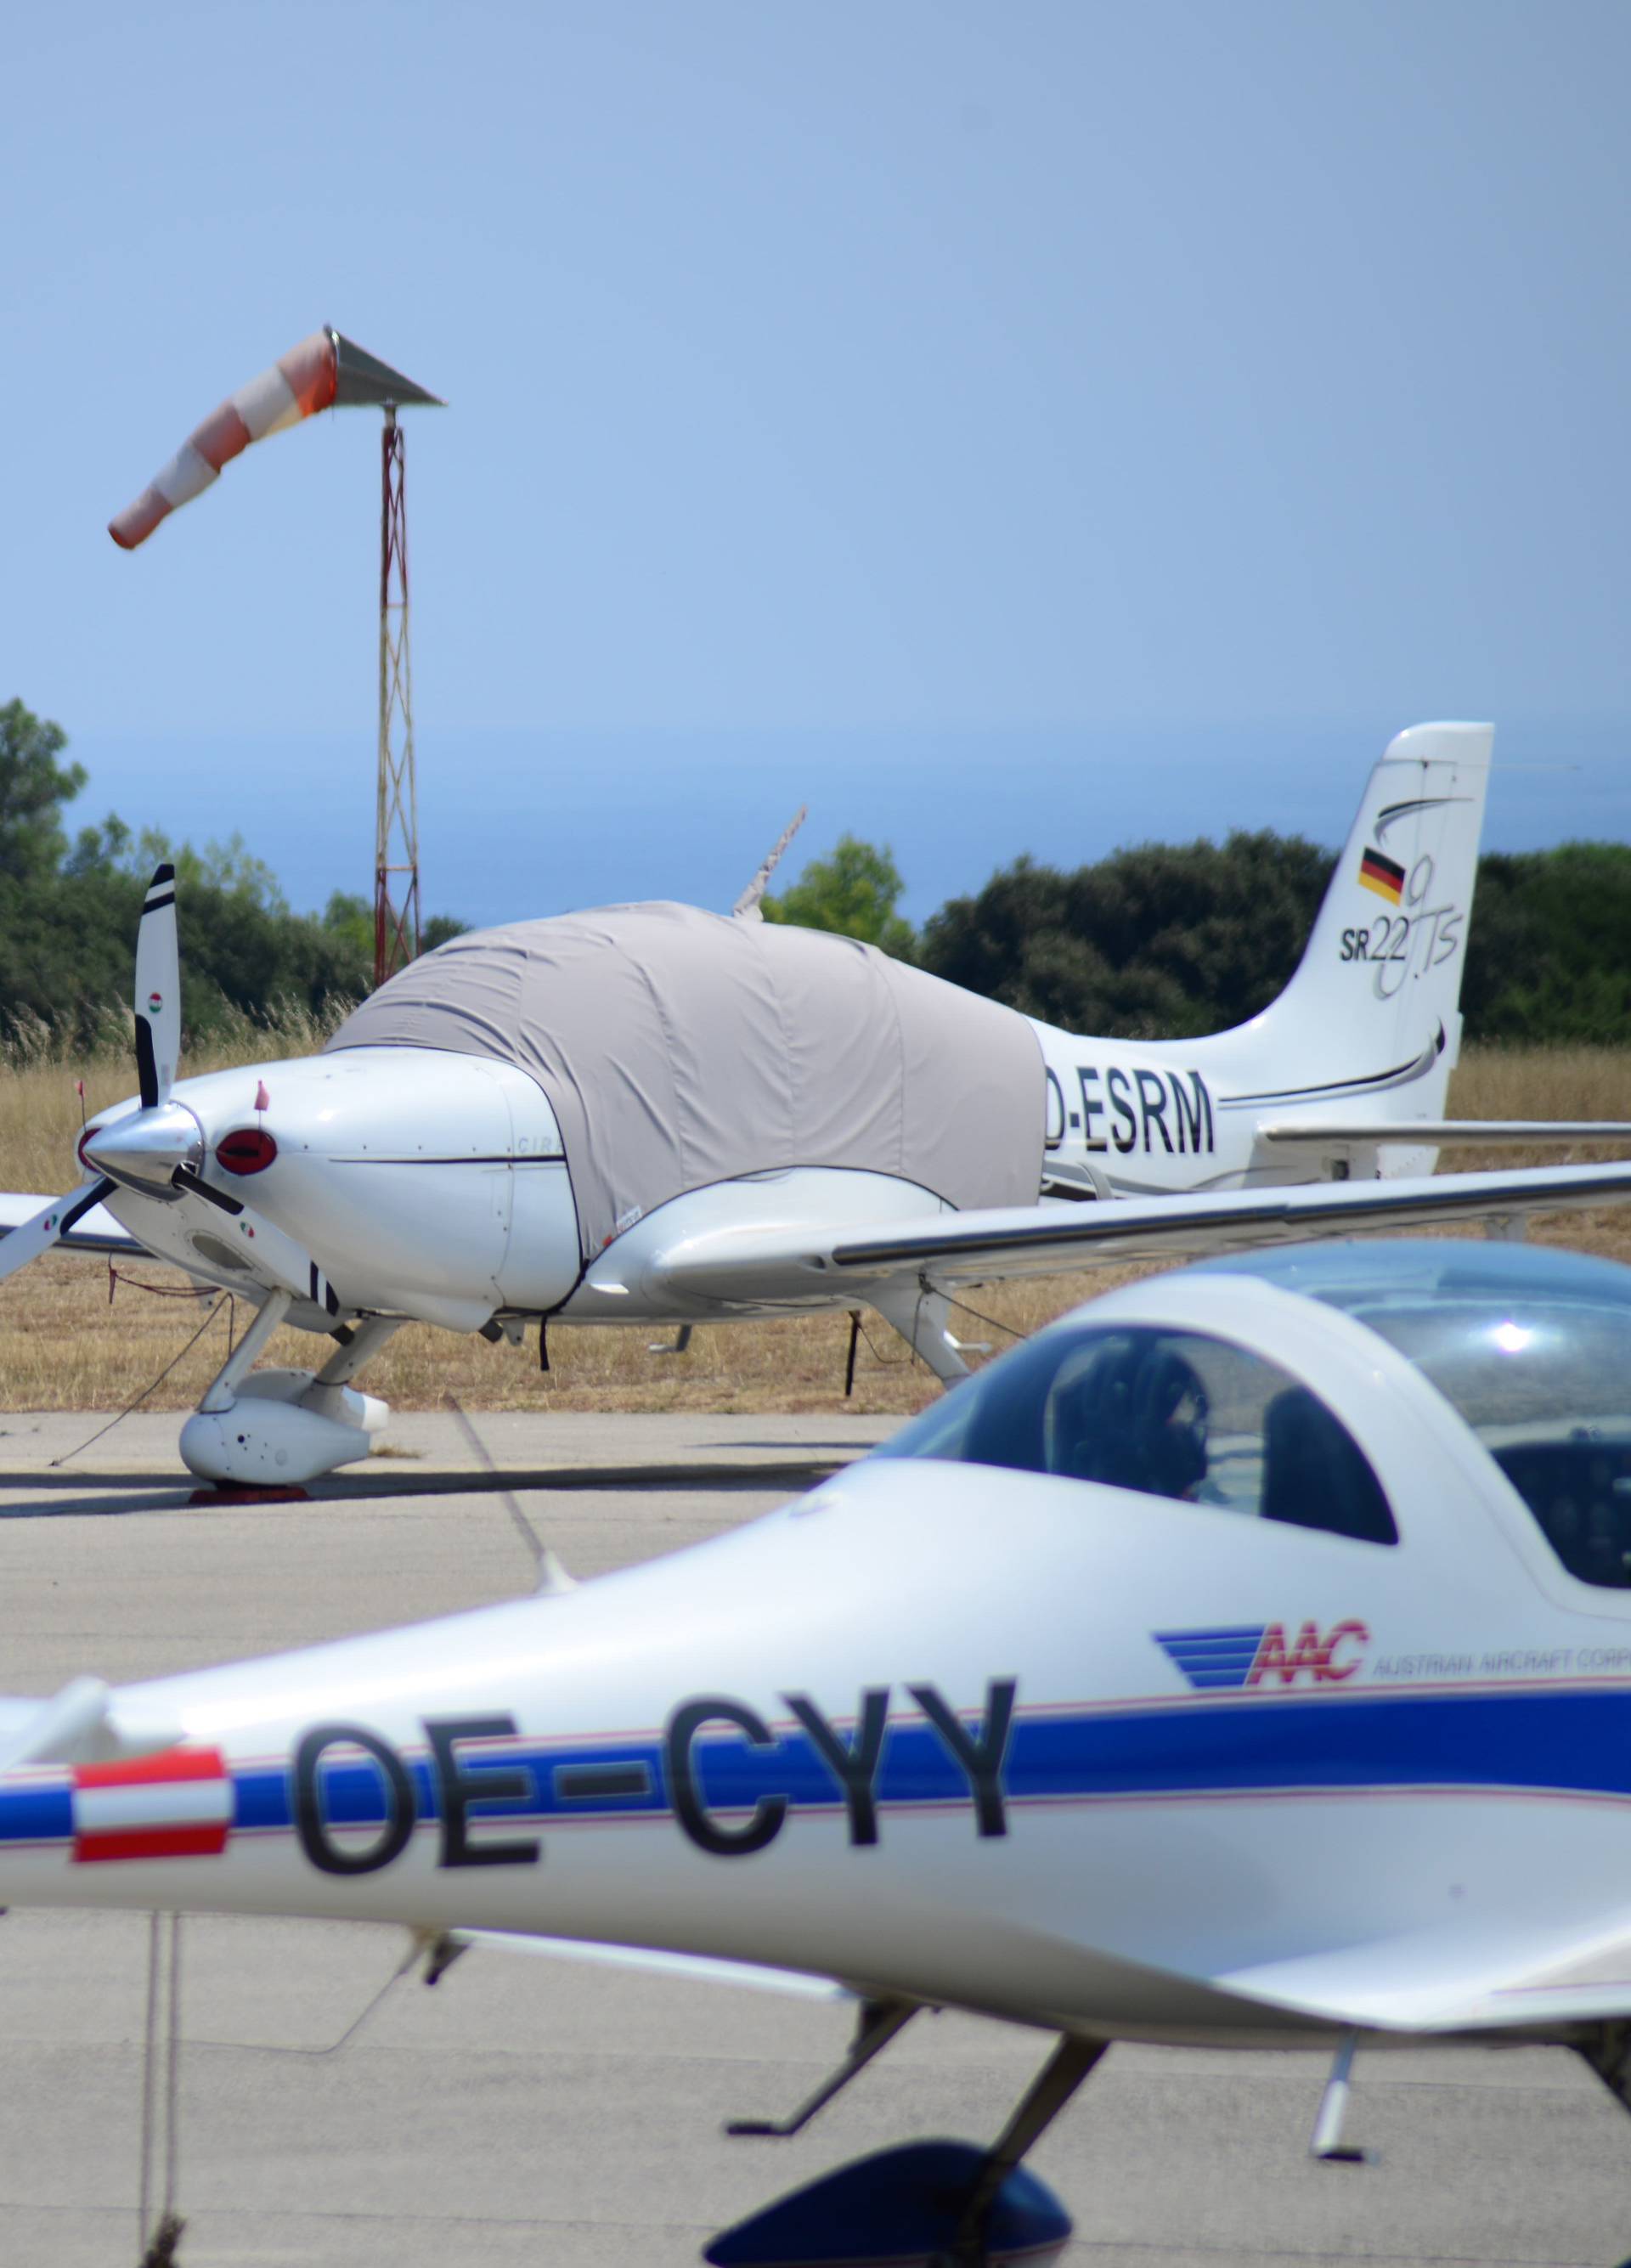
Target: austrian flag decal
(178,1805)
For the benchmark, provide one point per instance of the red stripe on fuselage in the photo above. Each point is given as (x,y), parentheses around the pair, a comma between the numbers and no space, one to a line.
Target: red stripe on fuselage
(208,1842)
(147,1772)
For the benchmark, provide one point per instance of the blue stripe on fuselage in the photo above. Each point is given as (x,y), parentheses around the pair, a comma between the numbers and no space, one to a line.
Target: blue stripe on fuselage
(1564,1741)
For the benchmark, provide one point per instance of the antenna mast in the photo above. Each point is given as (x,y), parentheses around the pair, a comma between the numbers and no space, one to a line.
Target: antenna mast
(396,828)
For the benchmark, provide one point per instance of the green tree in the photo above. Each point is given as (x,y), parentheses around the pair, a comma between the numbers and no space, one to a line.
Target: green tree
(230,867)
(1549,948)
(34,788)
(853,894)
(1158,941)
(348,917)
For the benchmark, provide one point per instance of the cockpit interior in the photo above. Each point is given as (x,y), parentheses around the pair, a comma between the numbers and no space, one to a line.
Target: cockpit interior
(1530,1346)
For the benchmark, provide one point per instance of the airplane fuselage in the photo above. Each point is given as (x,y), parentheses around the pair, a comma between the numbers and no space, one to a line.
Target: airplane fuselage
(1143,1119)
(1054,1794)
(435,1185)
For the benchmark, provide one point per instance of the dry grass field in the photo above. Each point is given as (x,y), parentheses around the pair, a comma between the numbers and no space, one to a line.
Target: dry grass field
(74,1336)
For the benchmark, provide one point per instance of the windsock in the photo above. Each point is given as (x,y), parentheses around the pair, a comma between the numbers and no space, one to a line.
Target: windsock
(326,371)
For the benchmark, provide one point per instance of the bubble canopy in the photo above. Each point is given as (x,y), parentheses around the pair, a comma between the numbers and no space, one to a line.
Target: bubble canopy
(1516,1337)
(1530,1346)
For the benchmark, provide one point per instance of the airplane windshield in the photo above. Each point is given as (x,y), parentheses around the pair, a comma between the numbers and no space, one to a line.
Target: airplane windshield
(1531,1346)
(1163,1413)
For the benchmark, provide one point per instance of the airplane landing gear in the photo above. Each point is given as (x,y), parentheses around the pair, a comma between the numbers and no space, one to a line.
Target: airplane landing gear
(926,2205)
(922,1316)
(277,1428)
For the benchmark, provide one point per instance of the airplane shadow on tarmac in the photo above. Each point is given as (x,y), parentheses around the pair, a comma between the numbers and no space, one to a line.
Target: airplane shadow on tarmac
(111,1495)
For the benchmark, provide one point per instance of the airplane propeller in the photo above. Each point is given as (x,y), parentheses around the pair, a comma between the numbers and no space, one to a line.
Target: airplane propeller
(153,1147)
(157,990)
(53,1219)
(157,1149)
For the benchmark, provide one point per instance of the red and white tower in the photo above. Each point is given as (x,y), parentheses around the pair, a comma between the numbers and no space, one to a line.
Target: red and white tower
(396,828)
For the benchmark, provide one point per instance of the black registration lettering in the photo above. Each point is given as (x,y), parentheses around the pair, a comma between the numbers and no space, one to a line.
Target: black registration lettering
(1153,1103)
(686,1794)
(1054,1131)
(979,1756)
(1092,1107)
(315,1839)
(853,1762)
(459,1789)
(1193,1110)
(1120,1102)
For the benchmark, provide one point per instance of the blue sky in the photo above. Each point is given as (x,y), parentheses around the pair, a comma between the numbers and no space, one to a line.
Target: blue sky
(1012,428)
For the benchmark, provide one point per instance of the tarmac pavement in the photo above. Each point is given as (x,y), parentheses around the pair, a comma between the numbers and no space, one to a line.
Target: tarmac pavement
(546,2112)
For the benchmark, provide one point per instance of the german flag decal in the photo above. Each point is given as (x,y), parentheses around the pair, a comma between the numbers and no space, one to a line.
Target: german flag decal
(1382,874)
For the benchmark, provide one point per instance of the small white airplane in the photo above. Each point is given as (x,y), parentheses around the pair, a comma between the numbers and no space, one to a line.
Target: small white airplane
(1011,1717)
(652,1114)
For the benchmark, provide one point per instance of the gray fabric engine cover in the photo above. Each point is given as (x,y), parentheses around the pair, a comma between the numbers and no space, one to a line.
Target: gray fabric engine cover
(679,1047)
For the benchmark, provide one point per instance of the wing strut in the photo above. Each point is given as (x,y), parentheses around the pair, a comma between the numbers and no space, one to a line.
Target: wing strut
(922,1316)
(1038,2107)
(875,2027)
(1325,2142)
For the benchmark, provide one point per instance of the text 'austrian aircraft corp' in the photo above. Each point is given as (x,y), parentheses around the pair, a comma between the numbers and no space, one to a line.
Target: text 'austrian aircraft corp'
(1326,1549)
(651,1114)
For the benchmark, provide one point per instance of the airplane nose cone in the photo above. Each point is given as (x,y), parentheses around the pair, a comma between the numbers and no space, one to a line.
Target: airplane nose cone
(146,1148)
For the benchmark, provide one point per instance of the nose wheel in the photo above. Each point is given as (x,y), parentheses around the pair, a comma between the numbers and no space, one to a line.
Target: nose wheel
(277,1428)
(926,2204)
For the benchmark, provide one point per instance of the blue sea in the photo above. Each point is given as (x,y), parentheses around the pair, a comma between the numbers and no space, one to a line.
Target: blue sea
(514,824)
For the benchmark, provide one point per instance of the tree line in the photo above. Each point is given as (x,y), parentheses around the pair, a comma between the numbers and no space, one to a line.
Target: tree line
(1161,941)
(1172,940)
(69,906)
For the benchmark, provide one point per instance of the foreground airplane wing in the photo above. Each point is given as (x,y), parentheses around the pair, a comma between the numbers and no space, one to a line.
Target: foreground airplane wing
(693,1968)
(1441,1980)
(754,1264)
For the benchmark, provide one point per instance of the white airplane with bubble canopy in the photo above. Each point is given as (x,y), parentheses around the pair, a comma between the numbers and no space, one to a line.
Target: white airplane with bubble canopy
(651,1115)
(1331,1543)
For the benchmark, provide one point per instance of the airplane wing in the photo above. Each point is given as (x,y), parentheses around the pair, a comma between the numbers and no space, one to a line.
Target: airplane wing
(96,1231)
(1445,1979)
(1314,1134)
(1435,1980)
(753,1264)
(698,1968)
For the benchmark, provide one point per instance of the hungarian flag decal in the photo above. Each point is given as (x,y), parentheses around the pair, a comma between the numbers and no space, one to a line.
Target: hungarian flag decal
(176,1805)
(1383,875)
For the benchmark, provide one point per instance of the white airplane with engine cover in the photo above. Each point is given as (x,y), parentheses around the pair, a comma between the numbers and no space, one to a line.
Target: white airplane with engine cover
(653,1114)
(1008,1717)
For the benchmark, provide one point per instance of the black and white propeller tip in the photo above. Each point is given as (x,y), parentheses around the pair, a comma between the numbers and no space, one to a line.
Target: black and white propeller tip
(157,990)
(158,1048)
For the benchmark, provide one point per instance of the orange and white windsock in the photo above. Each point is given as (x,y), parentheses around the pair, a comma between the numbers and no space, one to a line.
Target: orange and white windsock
(299,384)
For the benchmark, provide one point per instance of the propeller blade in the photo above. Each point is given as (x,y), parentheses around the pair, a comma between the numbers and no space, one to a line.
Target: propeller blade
(41,1231)
(157,990)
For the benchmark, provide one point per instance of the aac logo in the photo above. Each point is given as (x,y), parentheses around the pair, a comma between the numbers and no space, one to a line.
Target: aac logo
(1312,1652)
(1246,1656)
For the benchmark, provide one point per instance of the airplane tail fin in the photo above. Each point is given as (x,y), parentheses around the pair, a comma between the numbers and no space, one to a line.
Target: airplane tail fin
(1372,1014)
